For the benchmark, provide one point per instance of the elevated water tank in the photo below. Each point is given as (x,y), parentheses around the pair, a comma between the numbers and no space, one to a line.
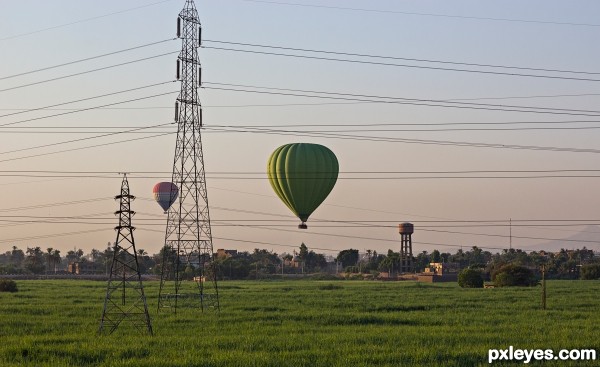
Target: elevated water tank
(406,228)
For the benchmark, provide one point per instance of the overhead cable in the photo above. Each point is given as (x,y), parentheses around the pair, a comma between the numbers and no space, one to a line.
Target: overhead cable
(387,11)
(398,58)
(87,71)
(489,72)
(86,59)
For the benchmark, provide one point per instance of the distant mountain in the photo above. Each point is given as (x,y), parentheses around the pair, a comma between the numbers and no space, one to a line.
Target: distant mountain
(589,237)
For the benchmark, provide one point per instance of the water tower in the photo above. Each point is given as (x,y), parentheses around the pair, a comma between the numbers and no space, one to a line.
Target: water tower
(406,257)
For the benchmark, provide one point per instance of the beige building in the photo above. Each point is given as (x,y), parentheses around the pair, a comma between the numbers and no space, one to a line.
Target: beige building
(222,254)
(440,272)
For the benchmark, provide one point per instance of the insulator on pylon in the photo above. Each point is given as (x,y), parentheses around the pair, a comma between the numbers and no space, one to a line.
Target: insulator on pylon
(178,27)
(178,67)
(199,76)
(199,36)
(176,111)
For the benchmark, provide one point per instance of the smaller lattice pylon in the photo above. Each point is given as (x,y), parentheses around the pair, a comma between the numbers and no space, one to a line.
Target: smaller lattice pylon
(125,301)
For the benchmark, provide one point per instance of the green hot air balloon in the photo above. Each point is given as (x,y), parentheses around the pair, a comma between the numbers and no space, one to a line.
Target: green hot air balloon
(302,175)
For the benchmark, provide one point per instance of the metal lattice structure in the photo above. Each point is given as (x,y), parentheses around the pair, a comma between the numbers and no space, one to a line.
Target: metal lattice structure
(188,251)
(125,301)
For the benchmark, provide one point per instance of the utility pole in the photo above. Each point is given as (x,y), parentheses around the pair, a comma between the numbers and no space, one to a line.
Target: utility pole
(188,238)
(543,286)
(125,300)
(510,233)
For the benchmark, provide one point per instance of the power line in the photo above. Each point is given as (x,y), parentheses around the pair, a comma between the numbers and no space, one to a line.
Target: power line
(383,11)
(418,141)
(87,108)
(402,140)
(87,147)
(369,178)
(88,71)
(437,130)
(346,125)
(513,236)
(83,139)
(133,173)
(51,205)
(489,72)
(269,228)
(102,129)
(84,99)
(418,124)
(424,225)
(400,58)
(403,100)
(51,235)
(86,59)
(333,103)
(82,20)
(384,139)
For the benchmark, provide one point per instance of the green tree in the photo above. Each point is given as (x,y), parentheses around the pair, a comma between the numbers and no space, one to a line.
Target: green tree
(514,275)
(17,257)
(436,257)
(315,262)
(49,259)
(470,278)
(348,257)
(235,267)
(189,272)
(56,259)
(34,261)
(422,261)
(391,262)
(303,252)
(590,271)
(72,256)
(7,285)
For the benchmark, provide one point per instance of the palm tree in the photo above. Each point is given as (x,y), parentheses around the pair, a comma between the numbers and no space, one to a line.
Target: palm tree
(57,259)
(94,253)
(49,258)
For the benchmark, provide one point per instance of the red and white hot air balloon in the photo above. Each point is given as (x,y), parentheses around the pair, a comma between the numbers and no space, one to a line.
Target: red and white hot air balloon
(165,194)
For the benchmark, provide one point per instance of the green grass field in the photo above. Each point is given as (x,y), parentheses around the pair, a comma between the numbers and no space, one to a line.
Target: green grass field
(303,323)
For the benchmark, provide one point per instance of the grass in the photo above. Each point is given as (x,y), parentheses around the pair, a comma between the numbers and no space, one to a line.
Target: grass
(302,323)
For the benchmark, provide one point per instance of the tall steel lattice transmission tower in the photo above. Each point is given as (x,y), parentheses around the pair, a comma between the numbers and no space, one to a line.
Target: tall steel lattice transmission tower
(188,250)
(125,301)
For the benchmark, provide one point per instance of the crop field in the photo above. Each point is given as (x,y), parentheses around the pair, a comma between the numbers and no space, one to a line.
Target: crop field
(302,323)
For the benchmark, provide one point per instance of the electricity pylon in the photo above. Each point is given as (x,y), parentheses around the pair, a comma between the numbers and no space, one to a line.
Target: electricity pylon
(188,249)
(125,300)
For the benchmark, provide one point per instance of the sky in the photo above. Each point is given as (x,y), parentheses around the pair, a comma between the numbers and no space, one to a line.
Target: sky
(456,116)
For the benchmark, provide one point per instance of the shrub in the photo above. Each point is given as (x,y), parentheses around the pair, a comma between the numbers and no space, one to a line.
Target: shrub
(514,275)
(329,287)
(324,276)
(8,285)
(590,271)
(470,278)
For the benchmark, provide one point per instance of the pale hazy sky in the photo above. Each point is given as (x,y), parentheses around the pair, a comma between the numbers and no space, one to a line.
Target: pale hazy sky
(542,34)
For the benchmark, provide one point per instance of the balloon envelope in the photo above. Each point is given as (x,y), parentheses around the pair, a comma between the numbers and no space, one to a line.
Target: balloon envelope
(165,194)
(302,175)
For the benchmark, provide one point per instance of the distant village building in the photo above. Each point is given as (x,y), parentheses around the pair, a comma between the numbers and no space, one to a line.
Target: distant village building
(440,272)
(295,262)
(85,267)
(224,254)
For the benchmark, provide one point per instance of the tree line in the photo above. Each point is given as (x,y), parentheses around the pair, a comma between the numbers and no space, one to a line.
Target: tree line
(565,264)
